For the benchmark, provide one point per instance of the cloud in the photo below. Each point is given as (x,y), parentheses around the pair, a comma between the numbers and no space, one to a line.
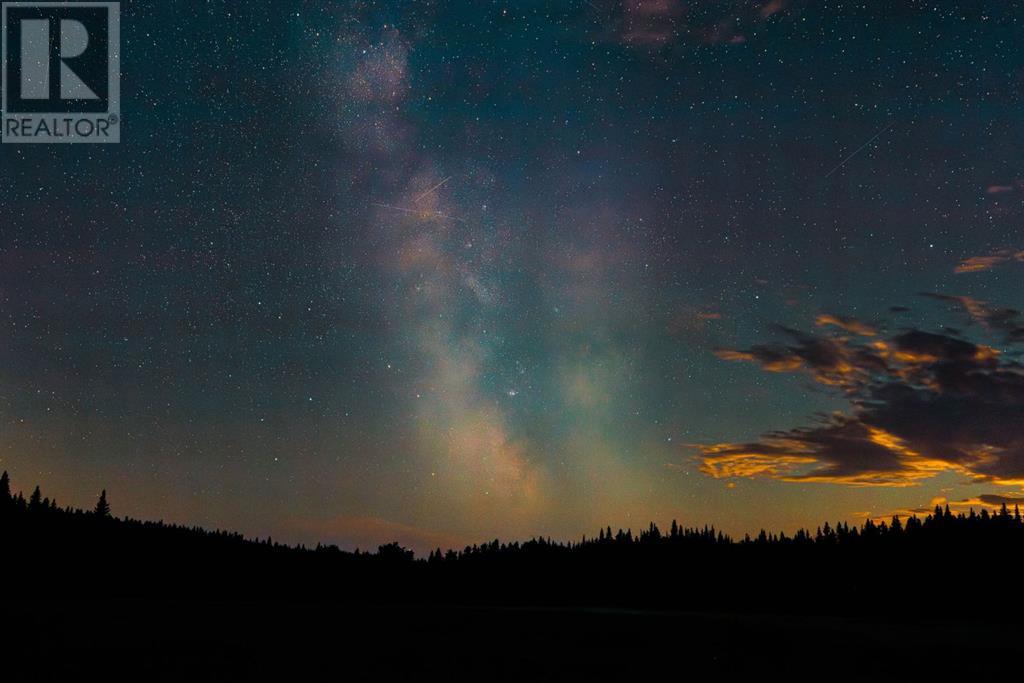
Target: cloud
(851,325)
(772,7)
(986,501)
(832,360)
(652,24)
(842,450)
(1007,321)
(1008,188)
(997,500)
(978,264)
(922,403)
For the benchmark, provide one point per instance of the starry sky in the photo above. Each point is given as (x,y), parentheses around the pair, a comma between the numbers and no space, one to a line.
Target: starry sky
(440,272)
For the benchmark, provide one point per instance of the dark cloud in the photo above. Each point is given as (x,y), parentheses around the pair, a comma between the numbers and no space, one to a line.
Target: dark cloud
(832,360)
(1006,321)
(996,499)
(986,501)
(922,403)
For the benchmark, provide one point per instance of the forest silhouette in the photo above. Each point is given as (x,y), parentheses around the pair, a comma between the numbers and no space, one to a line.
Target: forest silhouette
(943,564)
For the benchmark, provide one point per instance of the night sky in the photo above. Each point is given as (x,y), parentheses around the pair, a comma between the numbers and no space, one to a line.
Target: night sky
(440,272)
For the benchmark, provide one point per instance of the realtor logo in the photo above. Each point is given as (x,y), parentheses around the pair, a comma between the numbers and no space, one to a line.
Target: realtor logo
(61,72)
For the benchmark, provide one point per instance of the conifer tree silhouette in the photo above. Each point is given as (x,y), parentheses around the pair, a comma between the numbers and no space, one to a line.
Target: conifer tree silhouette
(102,507)
(619,569)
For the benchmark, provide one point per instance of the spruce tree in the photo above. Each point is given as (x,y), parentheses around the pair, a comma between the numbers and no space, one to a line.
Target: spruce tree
(102,507)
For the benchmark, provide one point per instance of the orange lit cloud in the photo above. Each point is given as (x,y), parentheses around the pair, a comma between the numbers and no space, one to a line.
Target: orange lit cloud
(832,361)
(841,452)
(768,360)
(977,264)
(922,403)
(851,325)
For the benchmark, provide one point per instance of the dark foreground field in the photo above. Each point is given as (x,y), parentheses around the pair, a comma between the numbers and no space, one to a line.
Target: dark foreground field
(249,641)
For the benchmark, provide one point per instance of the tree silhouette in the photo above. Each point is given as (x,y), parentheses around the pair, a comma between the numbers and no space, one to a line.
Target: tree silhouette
(394,551)
(102,507)
(834,567)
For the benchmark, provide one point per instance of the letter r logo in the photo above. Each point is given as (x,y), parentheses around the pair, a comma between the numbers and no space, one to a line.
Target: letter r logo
(36,55)
(57,57)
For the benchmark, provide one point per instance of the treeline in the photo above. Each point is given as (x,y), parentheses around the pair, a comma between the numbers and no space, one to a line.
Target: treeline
(40,522)
(935,564)
(942,526)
